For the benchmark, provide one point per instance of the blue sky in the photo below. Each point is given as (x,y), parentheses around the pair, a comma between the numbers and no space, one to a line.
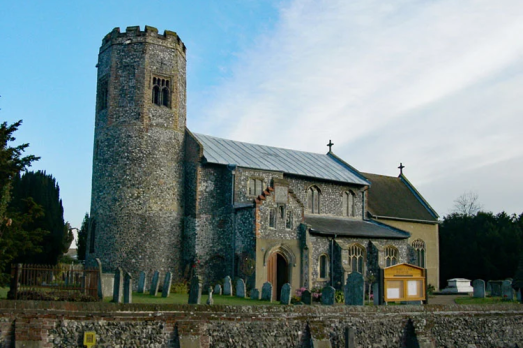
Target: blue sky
(433,84)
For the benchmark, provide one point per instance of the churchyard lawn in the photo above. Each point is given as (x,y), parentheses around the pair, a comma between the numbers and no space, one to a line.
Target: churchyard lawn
(183,299)
(467,300)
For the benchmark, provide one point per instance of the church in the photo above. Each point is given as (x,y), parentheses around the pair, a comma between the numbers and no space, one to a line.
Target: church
(167,199)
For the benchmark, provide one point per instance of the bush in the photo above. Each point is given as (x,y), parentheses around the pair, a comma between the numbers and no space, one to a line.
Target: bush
(55,296)
(339,297)
(180,288)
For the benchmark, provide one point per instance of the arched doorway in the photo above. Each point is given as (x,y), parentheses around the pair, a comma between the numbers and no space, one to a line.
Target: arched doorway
(277,273)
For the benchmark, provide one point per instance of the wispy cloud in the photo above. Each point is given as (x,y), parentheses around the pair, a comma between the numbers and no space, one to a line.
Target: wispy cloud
(433,84)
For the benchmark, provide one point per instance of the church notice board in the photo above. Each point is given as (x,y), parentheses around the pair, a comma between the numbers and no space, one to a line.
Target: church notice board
(404,282)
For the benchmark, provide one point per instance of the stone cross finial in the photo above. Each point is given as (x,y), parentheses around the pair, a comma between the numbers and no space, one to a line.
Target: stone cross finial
(330,145)
(401,168)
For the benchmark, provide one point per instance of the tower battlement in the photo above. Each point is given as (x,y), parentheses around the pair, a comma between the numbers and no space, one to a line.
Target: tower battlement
(149,34)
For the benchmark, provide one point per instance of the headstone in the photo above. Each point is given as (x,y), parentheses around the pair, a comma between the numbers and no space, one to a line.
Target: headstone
(479,288)
(255,294)
(489,288)
(354,289)
(155,282)
(240,288)
(285,296)
(327,295)
(266,294)
(306,297)
(495,288)
(166,290)
(458,286)
(210,301)
(142,282)
(128,288)
(227,286)
(195,294)
(100,275)
(218,289)
(519,295)
(507,291)
(118,286)
(376,294)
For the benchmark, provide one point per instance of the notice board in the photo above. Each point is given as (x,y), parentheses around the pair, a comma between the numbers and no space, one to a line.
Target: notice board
(404,282)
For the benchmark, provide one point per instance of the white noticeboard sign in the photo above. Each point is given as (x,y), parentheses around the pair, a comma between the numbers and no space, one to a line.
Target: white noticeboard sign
(412,287)
(393,293)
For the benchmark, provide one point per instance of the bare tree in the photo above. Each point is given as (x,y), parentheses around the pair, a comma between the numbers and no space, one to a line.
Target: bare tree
(467,204)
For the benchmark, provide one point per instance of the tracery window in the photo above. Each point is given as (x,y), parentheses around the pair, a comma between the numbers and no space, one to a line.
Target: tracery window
(323,265)
(288,220)
(255,187)
(349,204)
(313,200)
(272,218)
(419,249)
(161,92)
(391,255)
(356,258)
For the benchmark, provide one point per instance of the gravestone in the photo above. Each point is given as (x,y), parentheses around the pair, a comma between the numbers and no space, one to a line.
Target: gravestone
(195,294)
(266,294)
(327,295)
(519,295)
(376,294)
(354,289)
(118,286)
(240,288)
(479,288)
(227,286)
(507,291)
(495,286)
(142,282)
(488,289)
(166,290)
(155,282)
(100,275)
(128,288)
(210,301)
(285,296)
(255,294)
(306,297)
(218,289)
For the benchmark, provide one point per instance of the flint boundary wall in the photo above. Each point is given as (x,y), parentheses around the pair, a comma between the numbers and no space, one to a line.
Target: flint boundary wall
(54,324)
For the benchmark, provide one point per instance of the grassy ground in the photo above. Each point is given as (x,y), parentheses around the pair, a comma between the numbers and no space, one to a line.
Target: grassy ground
(184,298)
(466,300)
(3,293)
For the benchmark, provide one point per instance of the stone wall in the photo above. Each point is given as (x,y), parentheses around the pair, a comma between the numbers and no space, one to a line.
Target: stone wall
(38,324)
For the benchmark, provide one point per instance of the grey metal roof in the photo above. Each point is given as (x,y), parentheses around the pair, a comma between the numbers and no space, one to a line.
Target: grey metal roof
(328,225)
(224,151)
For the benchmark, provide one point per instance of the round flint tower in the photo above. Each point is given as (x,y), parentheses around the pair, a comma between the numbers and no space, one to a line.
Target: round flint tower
(137,188)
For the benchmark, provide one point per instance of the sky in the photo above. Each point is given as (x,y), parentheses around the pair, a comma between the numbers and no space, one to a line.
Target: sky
(435,85)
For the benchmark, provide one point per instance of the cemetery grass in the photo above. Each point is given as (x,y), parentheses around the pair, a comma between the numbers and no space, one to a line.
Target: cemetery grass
(467,300)
(184,299)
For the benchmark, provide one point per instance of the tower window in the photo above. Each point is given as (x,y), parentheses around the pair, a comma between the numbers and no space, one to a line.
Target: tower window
(160,92)
(103,94)
(288,220)
(272,218)
(349,204)
(255,187)
(313,200)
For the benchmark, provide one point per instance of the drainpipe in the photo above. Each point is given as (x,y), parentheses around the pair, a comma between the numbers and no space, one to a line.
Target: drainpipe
(332,261)
(232,168)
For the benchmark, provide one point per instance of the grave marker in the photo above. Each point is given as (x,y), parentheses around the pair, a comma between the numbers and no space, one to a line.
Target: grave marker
(266,294)
(166,290)
(128,288)
(285,297)
(118,286)
(195,294)
(218,289)
(227,286)
(306,297)
(155,282)
(240,288)
(142,282)
(479,288)
(507,291)
(210,301)
(255,294)
(327,295)
(354,289)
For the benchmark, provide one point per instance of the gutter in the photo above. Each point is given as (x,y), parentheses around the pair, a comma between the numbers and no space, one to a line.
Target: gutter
(377,217)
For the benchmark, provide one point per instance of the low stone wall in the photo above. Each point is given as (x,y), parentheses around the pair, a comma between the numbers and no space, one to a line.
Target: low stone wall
(61,324)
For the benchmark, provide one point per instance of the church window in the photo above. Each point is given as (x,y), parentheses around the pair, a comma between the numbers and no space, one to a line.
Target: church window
(255,187)
(282,212)
(165,96)
(419,249)
(356,258)
(103,94)
(391,255)
(323,266)
(349,204)
(272,218)
(313,200)
(161,92)
(288,220)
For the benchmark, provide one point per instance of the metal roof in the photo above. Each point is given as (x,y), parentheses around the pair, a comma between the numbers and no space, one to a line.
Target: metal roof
(347,227)
(225,151)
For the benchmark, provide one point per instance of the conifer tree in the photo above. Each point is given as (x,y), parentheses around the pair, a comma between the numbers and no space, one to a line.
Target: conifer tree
(82,238)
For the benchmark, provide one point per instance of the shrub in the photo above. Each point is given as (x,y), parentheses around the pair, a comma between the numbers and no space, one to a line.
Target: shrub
(180,288)
(339,297)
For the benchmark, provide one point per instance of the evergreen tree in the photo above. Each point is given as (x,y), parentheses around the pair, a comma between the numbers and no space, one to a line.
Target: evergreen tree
(82,238)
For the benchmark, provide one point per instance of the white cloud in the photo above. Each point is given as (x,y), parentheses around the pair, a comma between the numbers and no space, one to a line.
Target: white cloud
(432,84)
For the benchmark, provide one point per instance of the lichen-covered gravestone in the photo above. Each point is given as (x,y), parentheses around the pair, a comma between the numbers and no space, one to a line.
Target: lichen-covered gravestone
(218,289)
(128,288)
(507,291)
(327,295)
(210,301)
(142,282)
(118,286)
(266,294)
(227,286)
(354,295)
(285,296)
(240,288)
(195,293)
(479,288)
(306,297)
(166,290)
(155,282)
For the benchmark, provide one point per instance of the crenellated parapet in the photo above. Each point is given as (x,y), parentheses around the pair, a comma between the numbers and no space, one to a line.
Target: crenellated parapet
(149,34)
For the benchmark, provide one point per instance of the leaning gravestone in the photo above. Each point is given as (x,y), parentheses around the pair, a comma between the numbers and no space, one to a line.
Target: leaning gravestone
(166,290)
(227,286)
(255,294)
(210,301)
(100,274)
(128,288)
(142,281)
(218,289)
(155,282)
(479,288)
(354,295)
(285,297)
(507,291)
(240,288)
(118,286)
(195,294)
(266,294)
(327,295)
(306,297)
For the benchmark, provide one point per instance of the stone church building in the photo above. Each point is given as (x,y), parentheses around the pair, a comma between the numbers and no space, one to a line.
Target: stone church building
(167,199)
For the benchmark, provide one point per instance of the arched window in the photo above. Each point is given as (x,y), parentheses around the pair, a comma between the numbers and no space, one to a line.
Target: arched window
(313,200)
(255,187)
(272,218)
(156,95)
(419,249)
(349,204)
(288,220)
(323,265)
(356,258)
(391,255)
(161,92)
(165,97)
